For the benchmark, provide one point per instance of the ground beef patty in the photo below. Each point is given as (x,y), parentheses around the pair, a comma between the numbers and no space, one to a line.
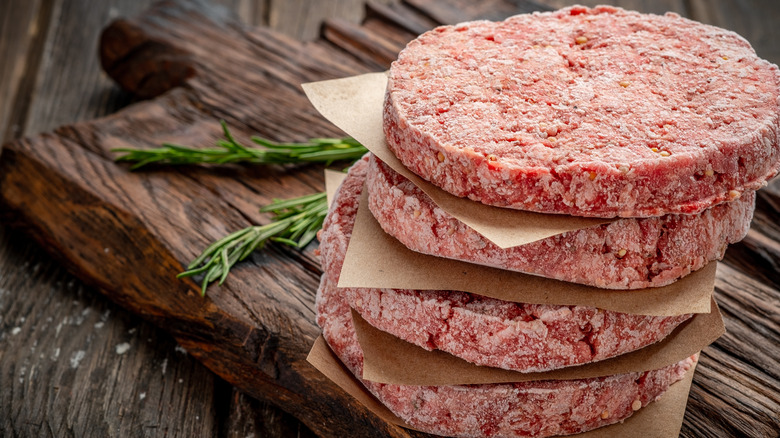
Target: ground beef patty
(541,408)
(626,254)
(481,330)
(589,112)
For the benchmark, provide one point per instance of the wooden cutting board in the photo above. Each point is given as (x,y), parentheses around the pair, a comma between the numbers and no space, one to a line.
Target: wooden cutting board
(129,234)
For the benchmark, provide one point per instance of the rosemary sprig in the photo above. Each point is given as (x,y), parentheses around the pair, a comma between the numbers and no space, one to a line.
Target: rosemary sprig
(296,222)
(229,150)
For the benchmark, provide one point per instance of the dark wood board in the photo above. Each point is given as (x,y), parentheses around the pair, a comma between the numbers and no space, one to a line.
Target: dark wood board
(50,75)
(244,328)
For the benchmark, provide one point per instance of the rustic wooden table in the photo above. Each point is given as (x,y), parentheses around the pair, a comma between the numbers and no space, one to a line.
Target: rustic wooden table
(72,363)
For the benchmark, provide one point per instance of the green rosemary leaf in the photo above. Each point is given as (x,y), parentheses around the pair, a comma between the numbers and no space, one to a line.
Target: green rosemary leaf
(225,264)
(217,246)
(295,221)
(333,154)
(230,151)
(308,236)
(279,204)
(209,277)
(286,241)
(332,141)
(292,146)
(227,133)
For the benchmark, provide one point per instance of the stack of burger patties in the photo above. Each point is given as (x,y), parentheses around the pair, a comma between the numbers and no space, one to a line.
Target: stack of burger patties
(659,127)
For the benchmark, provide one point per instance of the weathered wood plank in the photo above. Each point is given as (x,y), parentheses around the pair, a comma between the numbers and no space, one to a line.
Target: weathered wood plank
(250,353)
(56,98)
(361,42)
(23,29)
(455,11)
(248,417)
(402,17)
(734,393)
(68,354)
(736,388)
(61,373)
(758,255)
(301,19)
(190,405)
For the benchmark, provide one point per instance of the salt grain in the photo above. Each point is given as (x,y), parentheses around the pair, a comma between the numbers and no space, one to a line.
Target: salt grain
(122,348)
(76,358)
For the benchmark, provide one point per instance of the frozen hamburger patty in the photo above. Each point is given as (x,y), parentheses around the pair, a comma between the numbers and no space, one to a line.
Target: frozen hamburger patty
(588,112)
(626,254)
(481,330)
(540,408)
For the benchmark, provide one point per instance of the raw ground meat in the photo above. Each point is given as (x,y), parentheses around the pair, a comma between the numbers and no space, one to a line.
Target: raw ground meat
(625,254)
(481,330)
(521,337)
(540,408)
(588,112)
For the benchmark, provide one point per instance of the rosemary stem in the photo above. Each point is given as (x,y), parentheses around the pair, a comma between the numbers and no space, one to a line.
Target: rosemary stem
(295,221)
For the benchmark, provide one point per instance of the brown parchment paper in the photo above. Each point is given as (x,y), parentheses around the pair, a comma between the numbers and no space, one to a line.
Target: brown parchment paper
(333,179)
(660,419)
(354,104)
(375,259)
(388,359)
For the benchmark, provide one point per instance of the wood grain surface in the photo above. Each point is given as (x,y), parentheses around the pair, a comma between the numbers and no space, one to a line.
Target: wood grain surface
(73,363)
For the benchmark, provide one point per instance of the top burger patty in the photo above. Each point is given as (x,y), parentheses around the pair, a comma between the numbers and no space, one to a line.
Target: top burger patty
(591,112)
